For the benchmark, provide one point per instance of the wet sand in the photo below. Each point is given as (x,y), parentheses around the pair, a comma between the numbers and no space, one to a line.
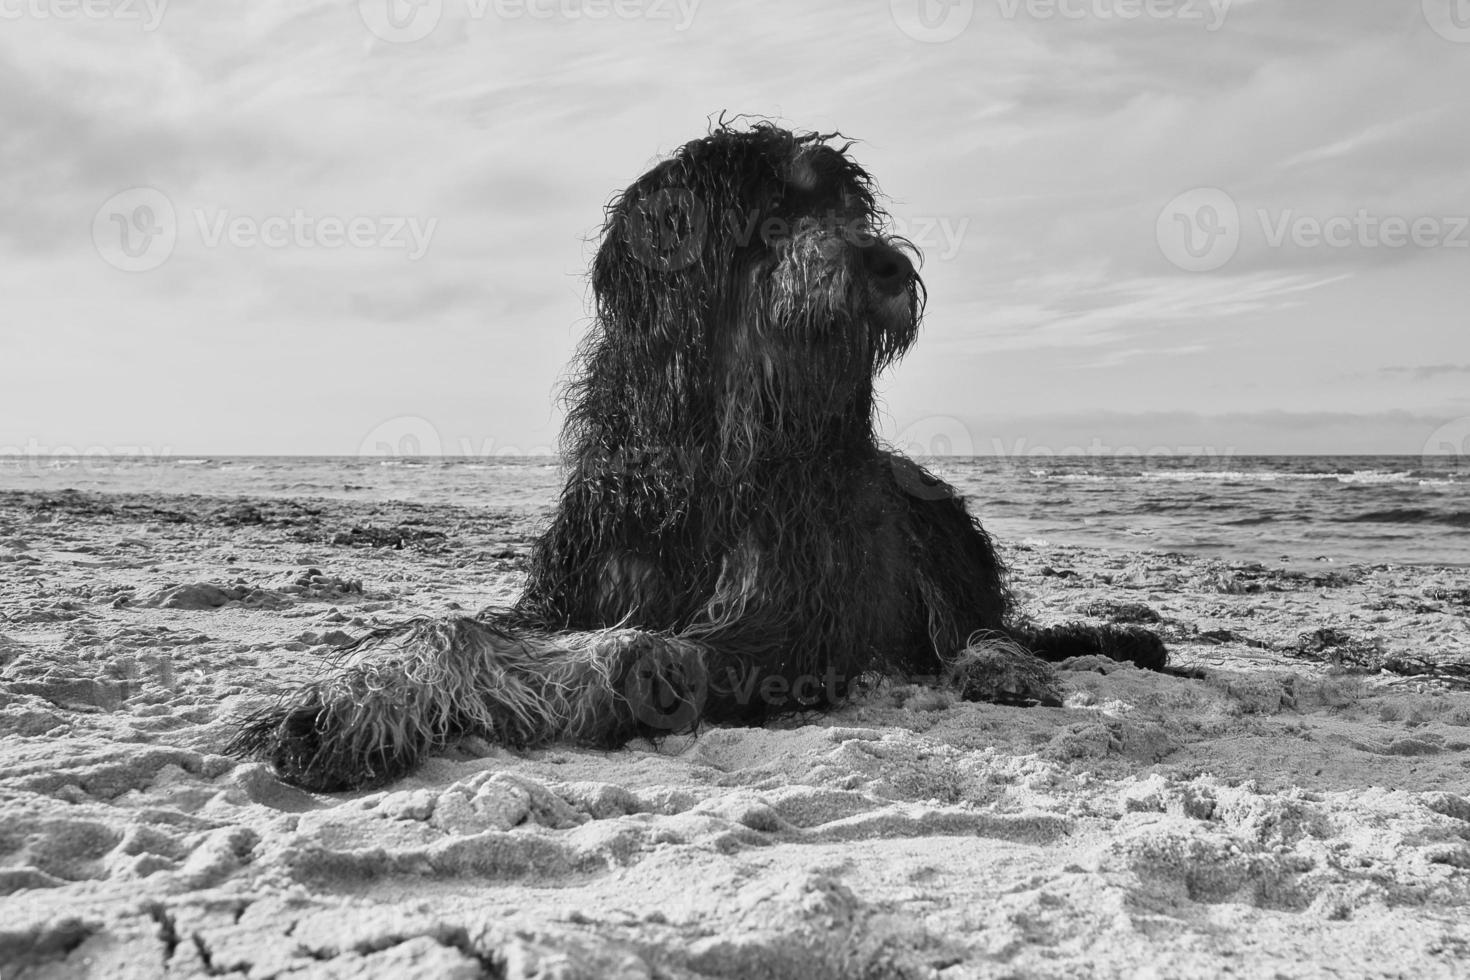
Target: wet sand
(1300,810)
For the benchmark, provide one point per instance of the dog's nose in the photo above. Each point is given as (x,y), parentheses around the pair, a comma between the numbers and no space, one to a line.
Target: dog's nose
(888,268)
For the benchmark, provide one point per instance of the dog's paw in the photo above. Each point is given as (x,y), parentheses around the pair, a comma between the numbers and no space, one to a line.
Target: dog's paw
(1130,644)
(1004,673)
(315,746)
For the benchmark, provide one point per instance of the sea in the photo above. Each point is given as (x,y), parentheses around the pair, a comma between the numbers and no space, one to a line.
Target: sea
(1402,510)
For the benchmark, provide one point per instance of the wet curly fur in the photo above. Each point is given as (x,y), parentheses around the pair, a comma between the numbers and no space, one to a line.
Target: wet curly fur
(732,542)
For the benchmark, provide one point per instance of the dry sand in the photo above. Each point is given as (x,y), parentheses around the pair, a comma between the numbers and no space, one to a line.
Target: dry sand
(1295,812)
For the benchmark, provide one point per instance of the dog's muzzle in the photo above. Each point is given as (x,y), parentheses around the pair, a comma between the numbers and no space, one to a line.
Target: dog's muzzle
(888,270)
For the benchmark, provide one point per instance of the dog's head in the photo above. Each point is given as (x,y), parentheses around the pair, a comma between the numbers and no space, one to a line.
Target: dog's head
(752,269)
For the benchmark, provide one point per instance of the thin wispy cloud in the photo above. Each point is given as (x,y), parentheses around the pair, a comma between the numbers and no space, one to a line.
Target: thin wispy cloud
(1427,371)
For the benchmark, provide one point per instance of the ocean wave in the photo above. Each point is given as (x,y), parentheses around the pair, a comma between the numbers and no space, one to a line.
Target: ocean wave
(1249,476)
(1411,515)
(1214,476)
(1378,476)
(1368,509)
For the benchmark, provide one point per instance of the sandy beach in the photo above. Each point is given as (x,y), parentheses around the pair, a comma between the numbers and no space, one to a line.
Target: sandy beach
(1299,810)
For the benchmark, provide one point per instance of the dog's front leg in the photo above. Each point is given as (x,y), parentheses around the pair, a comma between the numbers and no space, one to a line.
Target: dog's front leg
(407,691)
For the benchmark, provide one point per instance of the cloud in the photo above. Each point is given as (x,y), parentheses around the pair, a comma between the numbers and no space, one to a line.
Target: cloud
(1300,111)
(1054,143)
(1091,312)
(1426,372)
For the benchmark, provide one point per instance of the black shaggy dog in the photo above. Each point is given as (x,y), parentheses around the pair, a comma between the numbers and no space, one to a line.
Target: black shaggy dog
(732,543)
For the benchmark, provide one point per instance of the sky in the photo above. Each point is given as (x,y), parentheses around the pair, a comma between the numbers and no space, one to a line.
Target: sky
(330,226)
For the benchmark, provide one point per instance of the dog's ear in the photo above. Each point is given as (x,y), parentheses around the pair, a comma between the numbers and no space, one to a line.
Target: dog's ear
(653,259)
(664,229)
(670,240)
(814,167)
(825,174)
